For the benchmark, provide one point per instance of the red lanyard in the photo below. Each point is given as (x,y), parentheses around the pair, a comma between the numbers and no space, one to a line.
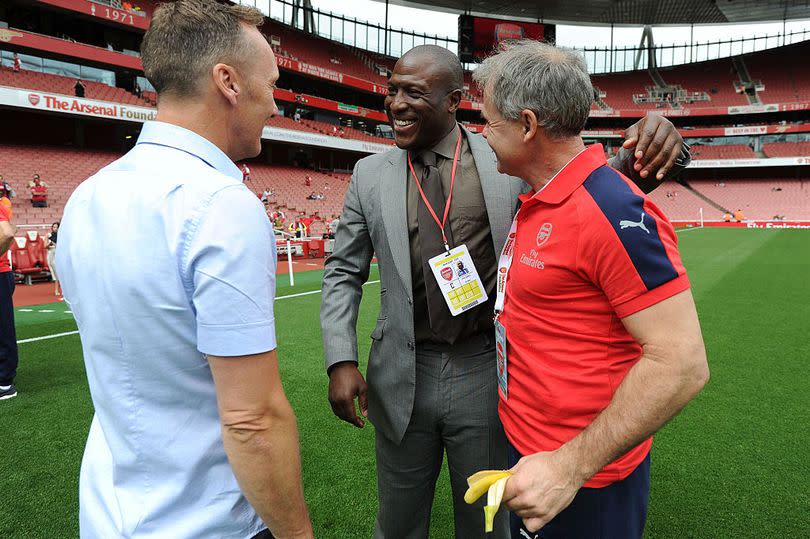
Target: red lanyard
(449,196)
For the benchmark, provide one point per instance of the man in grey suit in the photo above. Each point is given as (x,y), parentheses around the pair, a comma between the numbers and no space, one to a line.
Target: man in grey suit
(431,376)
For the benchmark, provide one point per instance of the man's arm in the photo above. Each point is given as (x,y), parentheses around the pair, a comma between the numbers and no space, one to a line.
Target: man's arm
(7,231)
(660,153)
(261,440)
(671,371)
(347,268)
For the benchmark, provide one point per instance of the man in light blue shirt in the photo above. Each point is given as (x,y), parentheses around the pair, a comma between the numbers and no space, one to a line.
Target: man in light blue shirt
(168,263)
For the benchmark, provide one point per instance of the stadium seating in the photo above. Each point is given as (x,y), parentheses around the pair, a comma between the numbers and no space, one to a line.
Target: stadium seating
(282,122)
(619,89)
(324,53)
(57,84)
(786,149)
(759,199)
(722,151)
(61,169)
(776,69)
(715,78)
(290,191)
(347,132)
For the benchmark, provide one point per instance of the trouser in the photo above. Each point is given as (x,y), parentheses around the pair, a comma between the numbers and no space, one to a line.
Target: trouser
(455,411)
(618,510)
(8,335)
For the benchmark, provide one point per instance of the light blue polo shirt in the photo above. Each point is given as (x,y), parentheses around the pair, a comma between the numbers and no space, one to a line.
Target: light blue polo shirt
(164,256)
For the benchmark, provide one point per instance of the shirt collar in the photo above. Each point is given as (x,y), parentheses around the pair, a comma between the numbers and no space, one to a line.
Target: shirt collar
(179,138)
(570,177)
(447,146)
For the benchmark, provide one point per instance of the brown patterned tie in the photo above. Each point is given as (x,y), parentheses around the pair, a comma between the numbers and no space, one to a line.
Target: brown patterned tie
(443,324)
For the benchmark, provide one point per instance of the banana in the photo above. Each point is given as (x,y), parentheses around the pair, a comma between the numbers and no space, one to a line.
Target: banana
(492,481)
(480,482)
(494,496)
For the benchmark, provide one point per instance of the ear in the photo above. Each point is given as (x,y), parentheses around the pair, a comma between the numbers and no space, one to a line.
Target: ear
(455,100)
(529,124)
(227,82)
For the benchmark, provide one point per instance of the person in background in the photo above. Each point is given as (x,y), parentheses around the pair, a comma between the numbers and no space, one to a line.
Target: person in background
(192,436)
(51,256)
(16,65)
(245,173)
(738,216)
(39,194)
(308,180)
(333,225)
(727,217)
(8,335)
(79,88)
(34,179)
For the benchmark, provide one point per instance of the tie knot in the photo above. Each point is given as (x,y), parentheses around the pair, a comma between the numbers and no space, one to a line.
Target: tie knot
(428,158)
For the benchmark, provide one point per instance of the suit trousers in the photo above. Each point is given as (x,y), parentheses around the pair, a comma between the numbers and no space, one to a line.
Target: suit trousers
(455,411)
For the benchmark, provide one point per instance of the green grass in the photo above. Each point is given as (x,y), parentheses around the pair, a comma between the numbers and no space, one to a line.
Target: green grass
(735,463)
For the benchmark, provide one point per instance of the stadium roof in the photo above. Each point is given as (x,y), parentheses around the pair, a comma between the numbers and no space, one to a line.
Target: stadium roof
(626,12)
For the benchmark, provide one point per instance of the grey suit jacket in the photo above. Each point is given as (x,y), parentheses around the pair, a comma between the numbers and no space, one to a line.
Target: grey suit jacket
(374,221)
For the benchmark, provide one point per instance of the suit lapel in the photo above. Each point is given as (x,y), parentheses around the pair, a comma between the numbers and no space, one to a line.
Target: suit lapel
(394,205)
(500,194)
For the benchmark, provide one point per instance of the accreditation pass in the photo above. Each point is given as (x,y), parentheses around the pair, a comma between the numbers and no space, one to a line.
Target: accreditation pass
(458,280)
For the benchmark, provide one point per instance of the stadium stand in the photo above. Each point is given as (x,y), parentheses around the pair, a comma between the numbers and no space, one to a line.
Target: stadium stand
(283,122)
(290,191)
(714,79)
(777,71)
(759,199)
(619,89)
(786,149)
(62,169)
(57,84)
(334,130)
(323,53)
(722,151)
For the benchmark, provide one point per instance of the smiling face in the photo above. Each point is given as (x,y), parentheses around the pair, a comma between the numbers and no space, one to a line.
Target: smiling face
(421,105)
(505,137)
(257,106)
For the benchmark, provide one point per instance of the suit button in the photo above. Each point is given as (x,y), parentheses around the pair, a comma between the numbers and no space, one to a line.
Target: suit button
(410,301)
(410,345)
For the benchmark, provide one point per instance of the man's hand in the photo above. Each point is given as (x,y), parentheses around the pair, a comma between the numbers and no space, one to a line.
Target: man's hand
(541,486)
(658,145)
(346,383)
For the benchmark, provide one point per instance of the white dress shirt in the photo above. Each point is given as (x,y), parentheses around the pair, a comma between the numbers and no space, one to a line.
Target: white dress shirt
(165,256)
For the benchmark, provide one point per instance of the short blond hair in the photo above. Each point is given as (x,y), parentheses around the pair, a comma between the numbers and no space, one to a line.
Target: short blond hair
(188,37)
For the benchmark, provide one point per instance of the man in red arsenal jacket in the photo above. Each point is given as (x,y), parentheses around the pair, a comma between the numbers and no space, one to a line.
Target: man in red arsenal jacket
(594,309)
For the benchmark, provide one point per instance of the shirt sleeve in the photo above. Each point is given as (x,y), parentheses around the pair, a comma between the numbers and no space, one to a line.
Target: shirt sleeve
(5,213)
(231,267)
(629,249)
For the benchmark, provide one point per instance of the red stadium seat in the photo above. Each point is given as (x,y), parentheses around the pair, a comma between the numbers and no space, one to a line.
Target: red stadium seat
(315,249)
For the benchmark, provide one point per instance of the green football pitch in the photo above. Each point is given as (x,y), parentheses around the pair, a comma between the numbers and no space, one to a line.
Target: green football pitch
(735,463)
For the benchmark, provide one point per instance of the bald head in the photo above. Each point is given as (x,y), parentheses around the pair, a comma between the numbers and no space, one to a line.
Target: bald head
(443,61)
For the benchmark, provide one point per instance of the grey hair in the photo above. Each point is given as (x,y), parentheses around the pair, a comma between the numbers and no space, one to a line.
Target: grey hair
(550,81)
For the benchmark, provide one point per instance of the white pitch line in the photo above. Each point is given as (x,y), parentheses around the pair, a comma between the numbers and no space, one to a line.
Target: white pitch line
(26,310)
(46,311)
(56,335)
(312,292)
(685,229)
(46,337)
